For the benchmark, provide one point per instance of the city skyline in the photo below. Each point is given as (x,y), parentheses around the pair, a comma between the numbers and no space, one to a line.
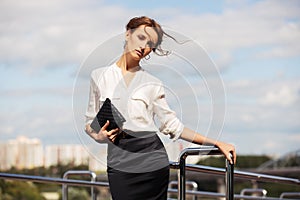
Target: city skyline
(27,153)
(254,44)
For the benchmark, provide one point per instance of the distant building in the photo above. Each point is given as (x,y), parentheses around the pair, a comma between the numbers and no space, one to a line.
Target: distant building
(21,153)
(25,153)
(66,154)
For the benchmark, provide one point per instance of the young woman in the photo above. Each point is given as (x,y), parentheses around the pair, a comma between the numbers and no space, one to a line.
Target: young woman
(137,163)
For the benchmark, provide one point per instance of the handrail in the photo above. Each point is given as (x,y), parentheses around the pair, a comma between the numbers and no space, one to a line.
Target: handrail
(78,172)
(192,184)
(182,166)
(203,150)
(206,194)
(289,194)
(42,179)
(173,165)
(218,171)
(262,192)
(238,174)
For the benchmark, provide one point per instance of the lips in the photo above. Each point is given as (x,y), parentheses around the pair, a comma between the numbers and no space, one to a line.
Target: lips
(139,53)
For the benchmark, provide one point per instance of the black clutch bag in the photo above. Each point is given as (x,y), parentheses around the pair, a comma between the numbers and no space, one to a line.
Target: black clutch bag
(107,112)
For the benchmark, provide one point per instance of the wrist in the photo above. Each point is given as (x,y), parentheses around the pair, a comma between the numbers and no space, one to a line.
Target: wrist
(88,129)
(217,144)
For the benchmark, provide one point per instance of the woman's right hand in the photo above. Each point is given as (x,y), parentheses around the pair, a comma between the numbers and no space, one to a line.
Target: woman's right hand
(103,135)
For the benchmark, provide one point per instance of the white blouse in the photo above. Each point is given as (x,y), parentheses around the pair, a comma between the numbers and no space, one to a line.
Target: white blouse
(138,102)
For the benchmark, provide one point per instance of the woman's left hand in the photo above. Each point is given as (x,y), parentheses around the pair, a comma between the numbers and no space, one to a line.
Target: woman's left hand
(228,150)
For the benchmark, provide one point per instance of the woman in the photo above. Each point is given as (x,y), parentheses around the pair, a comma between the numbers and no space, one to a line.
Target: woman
(137,163)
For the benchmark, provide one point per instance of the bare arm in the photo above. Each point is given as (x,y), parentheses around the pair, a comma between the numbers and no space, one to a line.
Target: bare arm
(194,137)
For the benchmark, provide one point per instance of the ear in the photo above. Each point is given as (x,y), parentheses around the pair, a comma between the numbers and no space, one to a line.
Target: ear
(127,34)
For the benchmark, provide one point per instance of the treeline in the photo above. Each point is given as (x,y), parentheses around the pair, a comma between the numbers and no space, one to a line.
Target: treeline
(243,161)
(52,171)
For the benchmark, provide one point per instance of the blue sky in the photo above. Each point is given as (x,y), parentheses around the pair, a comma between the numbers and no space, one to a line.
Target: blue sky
(255,45)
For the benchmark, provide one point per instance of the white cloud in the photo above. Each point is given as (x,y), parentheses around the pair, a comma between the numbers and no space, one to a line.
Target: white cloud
(263,142)
(255,106)
(42,34)
(52,123)
(282,96)
(272,26)
(55,33)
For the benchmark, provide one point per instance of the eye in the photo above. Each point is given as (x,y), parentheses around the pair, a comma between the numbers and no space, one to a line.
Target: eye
(141,37)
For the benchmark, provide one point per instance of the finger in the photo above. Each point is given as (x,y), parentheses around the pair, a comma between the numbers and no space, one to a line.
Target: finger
(234,157)
(229,157)
(116,130)
(113,138)
(105,126)
(112,132)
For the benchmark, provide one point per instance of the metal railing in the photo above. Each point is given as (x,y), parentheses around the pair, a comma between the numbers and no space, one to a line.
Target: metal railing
(78,172)
(204,150)
(192,184)
(179,165)
(290,194)
(257,191)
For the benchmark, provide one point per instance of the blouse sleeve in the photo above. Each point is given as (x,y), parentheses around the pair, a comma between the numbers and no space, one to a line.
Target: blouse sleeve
(93,102)
(170,124)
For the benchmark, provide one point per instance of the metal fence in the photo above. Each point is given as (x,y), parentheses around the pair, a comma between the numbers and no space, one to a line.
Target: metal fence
(182,167)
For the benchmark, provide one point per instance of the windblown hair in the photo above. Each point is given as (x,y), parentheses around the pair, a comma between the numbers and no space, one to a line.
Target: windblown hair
(148,22)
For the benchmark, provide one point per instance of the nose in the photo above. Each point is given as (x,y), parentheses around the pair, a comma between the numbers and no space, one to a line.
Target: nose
(143,45)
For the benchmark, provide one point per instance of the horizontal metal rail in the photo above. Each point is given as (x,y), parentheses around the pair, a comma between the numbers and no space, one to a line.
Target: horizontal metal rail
(258,191)
(237,174)
(176,165)
(206,194)
(289,194)
(192,184)
(41,179)
(218,171)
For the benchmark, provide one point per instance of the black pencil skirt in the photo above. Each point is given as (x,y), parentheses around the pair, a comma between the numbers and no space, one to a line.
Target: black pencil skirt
(138,167)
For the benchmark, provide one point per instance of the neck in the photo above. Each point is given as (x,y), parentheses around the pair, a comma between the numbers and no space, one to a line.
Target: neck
(128,64)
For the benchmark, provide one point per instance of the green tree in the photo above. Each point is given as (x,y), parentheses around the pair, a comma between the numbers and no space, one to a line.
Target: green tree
(243,161)
(17,190)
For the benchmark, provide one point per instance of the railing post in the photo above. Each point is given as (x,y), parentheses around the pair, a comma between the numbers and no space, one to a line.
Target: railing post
(207,150)
(229,180)
(79,172)
(181,178)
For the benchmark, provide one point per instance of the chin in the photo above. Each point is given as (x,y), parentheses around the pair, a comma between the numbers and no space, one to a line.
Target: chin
(135,57)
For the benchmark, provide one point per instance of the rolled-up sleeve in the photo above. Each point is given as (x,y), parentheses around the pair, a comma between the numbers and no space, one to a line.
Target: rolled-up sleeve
(170,124)
(93,102)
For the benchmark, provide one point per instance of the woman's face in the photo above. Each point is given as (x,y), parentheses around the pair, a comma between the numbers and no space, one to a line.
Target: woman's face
(141,41)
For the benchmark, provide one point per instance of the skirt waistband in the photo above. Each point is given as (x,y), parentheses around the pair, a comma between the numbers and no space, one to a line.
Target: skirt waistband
(127,134)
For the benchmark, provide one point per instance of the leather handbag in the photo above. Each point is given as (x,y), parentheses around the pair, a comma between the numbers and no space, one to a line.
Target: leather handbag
(108,112)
